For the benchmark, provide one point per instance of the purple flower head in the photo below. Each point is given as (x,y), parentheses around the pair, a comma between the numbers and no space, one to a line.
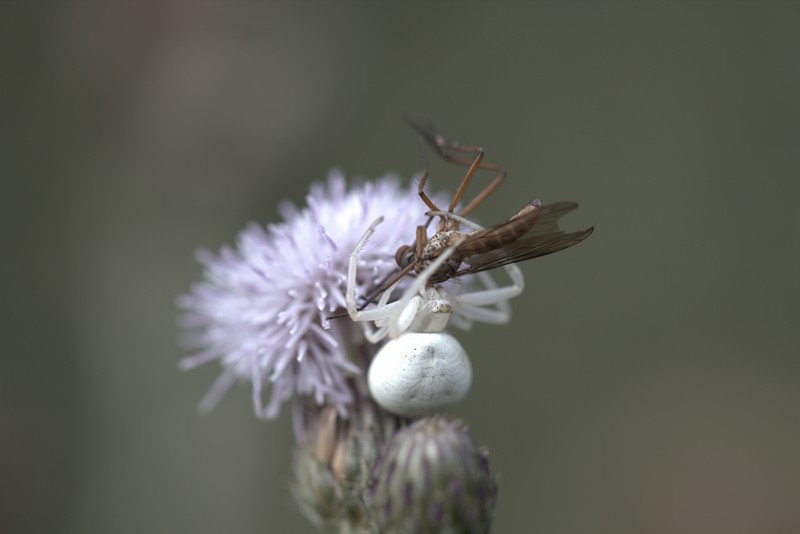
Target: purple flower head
(262,306)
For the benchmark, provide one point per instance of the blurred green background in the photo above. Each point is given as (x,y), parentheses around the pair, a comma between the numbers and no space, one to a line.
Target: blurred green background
(648,381)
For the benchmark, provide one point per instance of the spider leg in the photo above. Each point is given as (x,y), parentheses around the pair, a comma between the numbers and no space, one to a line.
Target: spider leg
(487,306)
(379,314)
(461,322)
(352,268)
(492,296)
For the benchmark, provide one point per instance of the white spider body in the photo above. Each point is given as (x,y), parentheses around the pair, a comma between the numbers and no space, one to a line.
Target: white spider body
(420,373)
(421,370)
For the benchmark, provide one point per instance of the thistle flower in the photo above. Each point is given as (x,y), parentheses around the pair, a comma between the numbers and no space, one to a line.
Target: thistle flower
(261,312)
(262,306)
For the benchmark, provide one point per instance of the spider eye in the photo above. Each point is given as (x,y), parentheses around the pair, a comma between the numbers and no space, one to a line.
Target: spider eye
(404,256)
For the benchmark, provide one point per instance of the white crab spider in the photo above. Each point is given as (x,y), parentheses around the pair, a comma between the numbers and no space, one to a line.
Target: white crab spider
(422,369)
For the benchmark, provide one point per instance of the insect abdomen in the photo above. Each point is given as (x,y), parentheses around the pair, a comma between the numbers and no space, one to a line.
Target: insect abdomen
(504,233)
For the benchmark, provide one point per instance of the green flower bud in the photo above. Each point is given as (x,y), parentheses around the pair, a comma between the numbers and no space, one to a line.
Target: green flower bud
(333,465)
(432,478)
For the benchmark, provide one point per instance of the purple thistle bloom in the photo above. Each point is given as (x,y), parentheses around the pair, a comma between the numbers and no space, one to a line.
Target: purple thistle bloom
(261,309)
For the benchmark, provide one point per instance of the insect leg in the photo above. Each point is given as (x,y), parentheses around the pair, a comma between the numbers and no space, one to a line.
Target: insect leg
(444,148)
(424,178)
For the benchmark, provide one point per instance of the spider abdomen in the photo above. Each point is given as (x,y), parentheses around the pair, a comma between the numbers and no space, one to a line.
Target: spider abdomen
(420,374)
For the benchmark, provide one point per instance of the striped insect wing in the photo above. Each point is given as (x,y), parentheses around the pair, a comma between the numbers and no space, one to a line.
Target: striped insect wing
(544,237)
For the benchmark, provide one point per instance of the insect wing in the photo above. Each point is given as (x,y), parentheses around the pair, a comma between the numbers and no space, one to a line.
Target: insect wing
(545,237)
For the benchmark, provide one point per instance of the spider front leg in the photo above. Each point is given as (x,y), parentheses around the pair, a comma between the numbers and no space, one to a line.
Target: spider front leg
(381,313)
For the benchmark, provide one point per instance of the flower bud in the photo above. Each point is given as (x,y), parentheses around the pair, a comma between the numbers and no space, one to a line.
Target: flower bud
(432,478)
(333,465)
